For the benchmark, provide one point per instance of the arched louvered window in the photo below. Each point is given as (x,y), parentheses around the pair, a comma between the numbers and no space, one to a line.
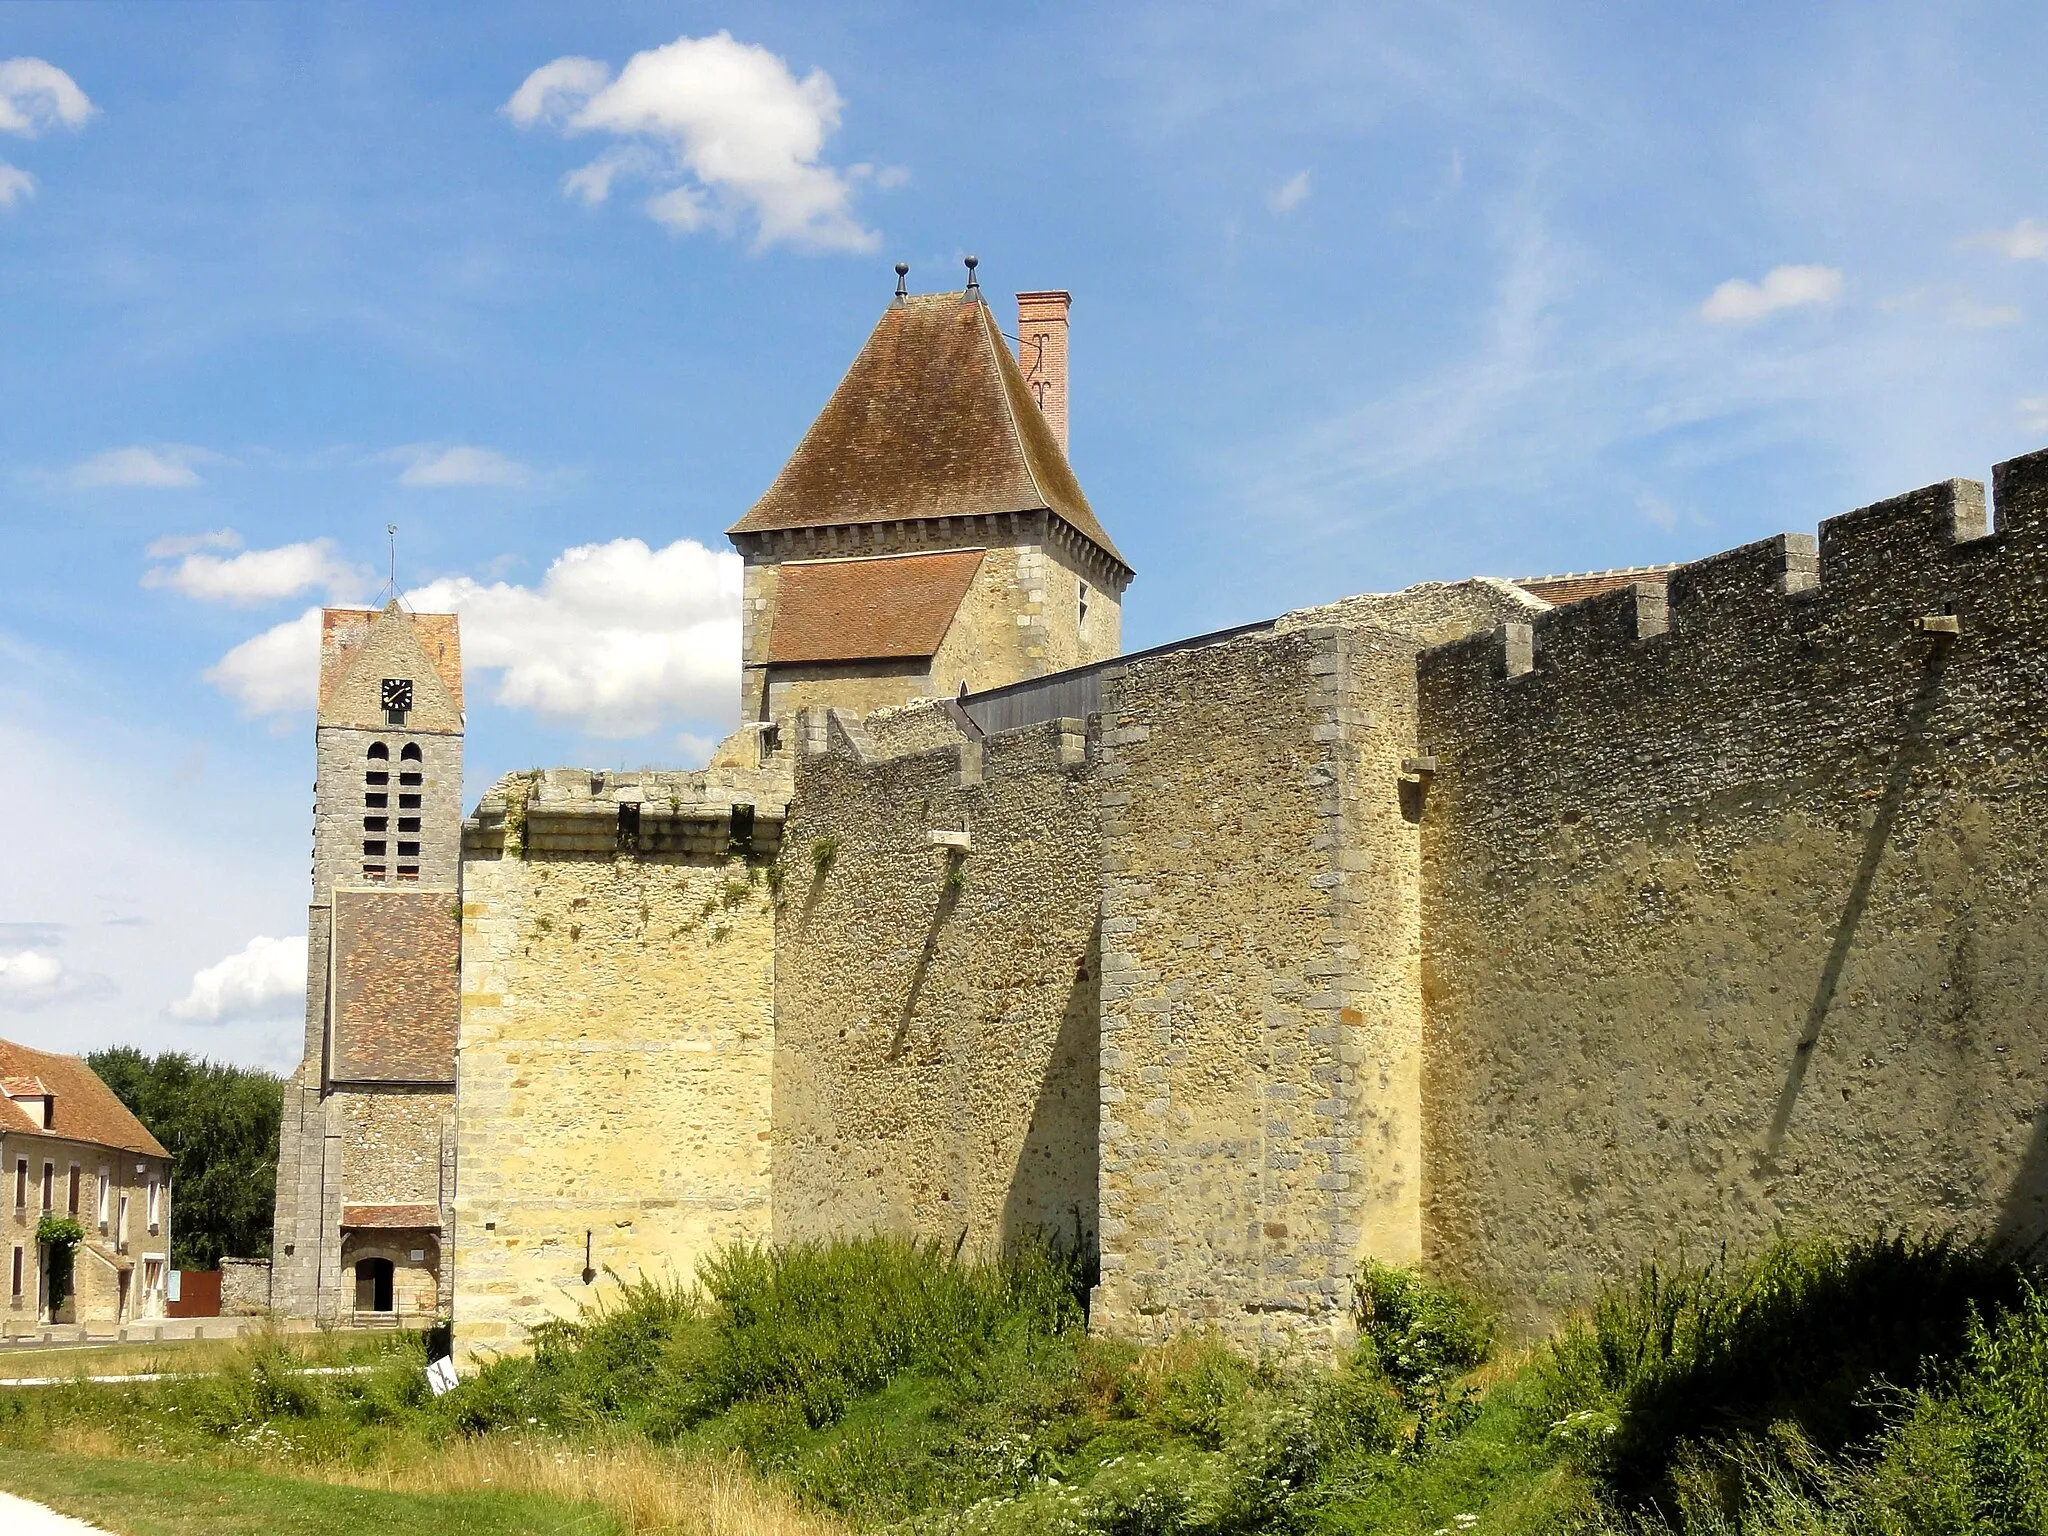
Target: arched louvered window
(411,784)
(376,810)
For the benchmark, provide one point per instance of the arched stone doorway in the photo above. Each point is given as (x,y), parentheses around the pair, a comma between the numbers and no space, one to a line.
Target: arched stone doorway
(392,1275)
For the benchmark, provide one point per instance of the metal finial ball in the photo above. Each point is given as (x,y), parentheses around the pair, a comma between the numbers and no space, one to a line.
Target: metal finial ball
(903,269)
(973,262)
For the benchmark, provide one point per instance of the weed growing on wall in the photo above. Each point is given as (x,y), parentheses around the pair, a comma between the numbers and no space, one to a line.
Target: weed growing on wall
(824,852)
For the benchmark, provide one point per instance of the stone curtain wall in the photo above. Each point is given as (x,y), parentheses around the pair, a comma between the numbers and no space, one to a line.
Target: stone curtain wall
(1224,1144)
(1735,907)
(614,1067)
(1261,1013)
(935,1043)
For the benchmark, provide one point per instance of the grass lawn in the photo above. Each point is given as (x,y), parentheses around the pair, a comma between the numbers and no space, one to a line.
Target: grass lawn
(114,1359)
(153,1498)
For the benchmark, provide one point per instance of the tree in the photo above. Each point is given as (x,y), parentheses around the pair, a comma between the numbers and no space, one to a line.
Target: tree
(220,1125)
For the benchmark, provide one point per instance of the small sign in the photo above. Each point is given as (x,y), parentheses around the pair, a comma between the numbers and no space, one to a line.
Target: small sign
(441,1375)
(418,1254)
(177,1285)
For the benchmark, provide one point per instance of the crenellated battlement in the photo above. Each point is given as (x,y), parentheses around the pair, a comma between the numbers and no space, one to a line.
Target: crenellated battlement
(1868,577)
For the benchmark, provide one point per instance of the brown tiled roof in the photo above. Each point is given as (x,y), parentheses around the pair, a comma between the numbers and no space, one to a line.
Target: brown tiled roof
(932,420)
(82,1108)
(401,1217)
(343,629)
(1577,586)
(396,986)
(868,610)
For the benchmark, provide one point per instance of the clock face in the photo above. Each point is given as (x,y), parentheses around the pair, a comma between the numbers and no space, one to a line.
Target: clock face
(398,693)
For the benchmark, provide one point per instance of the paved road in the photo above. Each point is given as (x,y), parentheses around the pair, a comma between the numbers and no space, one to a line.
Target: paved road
(18,1517)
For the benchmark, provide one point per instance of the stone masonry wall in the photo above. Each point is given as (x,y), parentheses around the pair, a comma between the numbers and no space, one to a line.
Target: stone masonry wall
(615,1056)
(1734,901)
(935,1050)
(391,1145)
(1261,1013)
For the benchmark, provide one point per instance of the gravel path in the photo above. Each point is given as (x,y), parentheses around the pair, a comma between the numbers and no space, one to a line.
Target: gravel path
(18,1517)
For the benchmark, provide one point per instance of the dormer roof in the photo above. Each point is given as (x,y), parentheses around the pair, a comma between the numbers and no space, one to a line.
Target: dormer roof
(82,1108)
(932,420)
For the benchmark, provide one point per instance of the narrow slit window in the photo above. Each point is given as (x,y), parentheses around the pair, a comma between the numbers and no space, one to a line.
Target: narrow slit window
(21,1183)
(17,1271)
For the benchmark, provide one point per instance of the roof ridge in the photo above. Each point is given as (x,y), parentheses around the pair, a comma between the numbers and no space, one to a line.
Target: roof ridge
(992,334)
(1612,570)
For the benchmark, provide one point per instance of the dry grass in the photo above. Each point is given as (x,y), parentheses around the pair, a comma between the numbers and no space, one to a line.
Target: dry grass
(646,1489)
(18,1363)
(642,1486)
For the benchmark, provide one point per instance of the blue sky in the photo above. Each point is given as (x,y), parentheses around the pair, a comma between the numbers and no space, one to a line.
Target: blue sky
(1363,296)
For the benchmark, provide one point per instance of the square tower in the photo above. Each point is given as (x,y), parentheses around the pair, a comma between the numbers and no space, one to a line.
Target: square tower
(928,533)
(365,1169)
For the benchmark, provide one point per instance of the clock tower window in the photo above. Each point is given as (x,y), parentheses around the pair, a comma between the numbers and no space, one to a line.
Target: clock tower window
(376,801)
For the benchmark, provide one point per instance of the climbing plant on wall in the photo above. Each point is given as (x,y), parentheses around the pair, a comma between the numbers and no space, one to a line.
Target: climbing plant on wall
(60,1237)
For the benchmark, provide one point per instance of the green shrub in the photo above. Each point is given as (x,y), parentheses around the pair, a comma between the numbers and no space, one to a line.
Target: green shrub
(1422,1335)
(1805,1338)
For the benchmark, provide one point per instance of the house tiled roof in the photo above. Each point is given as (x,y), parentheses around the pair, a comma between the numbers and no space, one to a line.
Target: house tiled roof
(932,420)
(1577,586)
(868,610)
(396,957)
(407,1218)
(82,1108)
(342,630)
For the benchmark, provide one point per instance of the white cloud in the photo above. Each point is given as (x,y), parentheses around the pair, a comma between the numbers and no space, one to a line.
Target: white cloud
(2025,241)
(275,672)
(555,92)
(2034,413)
(15,184)
(728,123)
(1290,194)
(258,980)
(1971,314)
(35,95)
(172,545)
(616,640)
(262,575)
(436,466)
(30,978)
(166,467)
(1738,301)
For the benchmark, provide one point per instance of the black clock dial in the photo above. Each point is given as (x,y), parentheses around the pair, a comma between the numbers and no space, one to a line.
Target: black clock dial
(398,693)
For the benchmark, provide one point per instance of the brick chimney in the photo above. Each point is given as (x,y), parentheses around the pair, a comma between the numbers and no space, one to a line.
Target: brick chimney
(1042,354)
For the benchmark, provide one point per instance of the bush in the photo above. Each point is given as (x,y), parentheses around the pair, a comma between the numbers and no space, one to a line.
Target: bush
(1702,1365)
(1422,1335)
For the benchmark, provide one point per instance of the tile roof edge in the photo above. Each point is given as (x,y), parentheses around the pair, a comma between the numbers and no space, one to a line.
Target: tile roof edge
(992,335)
